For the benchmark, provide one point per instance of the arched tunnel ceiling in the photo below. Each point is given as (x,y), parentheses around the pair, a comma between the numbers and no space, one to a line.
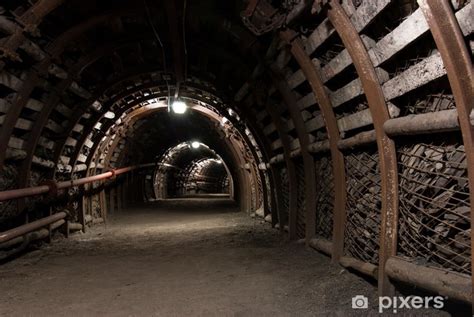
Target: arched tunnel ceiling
(118,33)
(100,44)
(160,131)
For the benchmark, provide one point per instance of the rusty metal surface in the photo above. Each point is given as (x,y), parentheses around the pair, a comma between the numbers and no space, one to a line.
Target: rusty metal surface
(54,50)
(308,163)
(54,99)
(387,155)
(291,170)
(312,74)
(38,190)
(122,95)
(235,145)
(275,181)
(457,61)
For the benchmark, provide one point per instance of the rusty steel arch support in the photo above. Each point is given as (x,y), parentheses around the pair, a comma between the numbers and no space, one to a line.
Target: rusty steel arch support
(312,75)
(97,116)
(261,173)
(457,61)
(308,161)
(88,129)
(53,50)
(291,170)
(54,99)
(233,146)
(275,183)
(79,111)
(386,146)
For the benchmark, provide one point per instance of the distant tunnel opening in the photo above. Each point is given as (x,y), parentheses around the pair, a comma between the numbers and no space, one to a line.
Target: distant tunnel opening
(192,169)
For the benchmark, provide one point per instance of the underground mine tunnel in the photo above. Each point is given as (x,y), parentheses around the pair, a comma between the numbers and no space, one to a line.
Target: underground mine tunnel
(236,158)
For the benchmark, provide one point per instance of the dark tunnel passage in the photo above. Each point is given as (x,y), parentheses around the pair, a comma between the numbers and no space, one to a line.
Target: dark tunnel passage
(260,155)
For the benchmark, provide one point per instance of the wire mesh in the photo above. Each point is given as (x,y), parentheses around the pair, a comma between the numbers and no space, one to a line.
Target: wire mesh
(324,197)
(301,200)
(434,226)
(361,237)
(432,103)
(285,192)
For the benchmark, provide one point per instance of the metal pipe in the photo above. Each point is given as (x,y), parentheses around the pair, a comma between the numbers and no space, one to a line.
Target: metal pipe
(85,180)
(24,229)
(43,189)
(23,192)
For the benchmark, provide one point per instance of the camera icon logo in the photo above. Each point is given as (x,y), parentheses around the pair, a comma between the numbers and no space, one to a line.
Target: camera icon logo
(360,302)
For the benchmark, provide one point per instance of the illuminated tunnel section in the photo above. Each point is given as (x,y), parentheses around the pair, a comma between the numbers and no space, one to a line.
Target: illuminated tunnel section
(142,126)
(191,169)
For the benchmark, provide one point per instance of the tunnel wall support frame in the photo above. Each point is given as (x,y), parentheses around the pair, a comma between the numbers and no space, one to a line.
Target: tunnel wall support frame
(386,147)
(457,61)
(308,162)
(312,75)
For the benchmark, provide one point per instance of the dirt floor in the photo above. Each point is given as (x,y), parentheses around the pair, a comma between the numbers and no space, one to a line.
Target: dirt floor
(183,258)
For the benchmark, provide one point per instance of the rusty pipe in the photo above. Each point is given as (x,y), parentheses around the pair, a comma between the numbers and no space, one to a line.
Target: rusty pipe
(23,192)
(24,229)
(51,187)
(85,180)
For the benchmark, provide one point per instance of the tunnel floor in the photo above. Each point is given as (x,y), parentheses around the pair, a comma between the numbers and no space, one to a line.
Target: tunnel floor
(181,258)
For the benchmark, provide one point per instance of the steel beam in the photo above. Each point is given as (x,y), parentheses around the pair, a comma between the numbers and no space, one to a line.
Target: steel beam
(457,61)
(386,147)
(312,74)
(303,137)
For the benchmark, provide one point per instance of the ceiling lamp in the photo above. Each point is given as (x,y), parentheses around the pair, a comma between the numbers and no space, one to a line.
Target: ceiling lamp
(109,115)
(195,145)
(179,107)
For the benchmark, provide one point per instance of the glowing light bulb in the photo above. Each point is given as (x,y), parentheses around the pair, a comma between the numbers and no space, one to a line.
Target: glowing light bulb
(195,145)
(109,115)
(179,107)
